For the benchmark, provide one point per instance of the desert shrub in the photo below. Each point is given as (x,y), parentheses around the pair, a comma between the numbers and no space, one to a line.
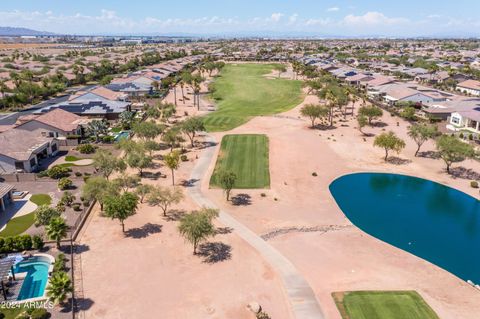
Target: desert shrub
(60,207)
(474,184)
(184,158)
(314,174)
(67,198)
(86,148)
(263,195)
(58,172)
(85,178)
(76,207)
(64,183)
(78,174)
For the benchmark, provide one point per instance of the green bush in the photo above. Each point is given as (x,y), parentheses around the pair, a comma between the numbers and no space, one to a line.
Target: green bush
(474,184)
(58,172)
(184,158)
(37,242)
(16,243)
(86,148)
(67,198)
(43,173)
(76,207)
(108,139)
(39,313)
(64,183)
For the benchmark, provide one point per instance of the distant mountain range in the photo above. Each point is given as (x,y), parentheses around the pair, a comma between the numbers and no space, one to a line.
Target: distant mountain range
(13,31)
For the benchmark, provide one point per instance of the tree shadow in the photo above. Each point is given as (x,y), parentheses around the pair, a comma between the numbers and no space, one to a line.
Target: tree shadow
(223,230)
(214,252)
(429,154)
(379,124)
(144,231)
(152,175)
(174,215)
(464,173)
(189,183)
(203,144)
(81,248)
(325,127)
(398,161)
(242,200)
(80,304)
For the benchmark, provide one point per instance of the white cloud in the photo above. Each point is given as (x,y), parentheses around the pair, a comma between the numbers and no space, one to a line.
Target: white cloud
(372,18)
(109,22)
(333,9)
(275,17)
(293,18)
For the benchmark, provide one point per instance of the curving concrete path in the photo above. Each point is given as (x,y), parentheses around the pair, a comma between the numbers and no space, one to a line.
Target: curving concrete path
(301,297)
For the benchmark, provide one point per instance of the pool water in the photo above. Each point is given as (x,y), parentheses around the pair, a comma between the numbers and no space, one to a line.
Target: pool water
(36,278)
(427,219)
(122,135)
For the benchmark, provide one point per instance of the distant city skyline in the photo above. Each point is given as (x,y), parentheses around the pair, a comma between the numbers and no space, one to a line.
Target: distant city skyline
(248,17)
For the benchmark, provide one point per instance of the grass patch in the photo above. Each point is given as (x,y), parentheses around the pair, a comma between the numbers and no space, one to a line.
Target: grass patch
(383,305)
(116,129)
(71,158)
(242,92)
(17,226)
(41,199)
(247,156)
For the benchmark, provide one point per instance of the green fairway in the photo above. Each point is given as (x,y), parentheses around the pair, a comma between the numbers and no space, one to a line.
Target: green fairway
(247,156)
(242,92)
(383,305)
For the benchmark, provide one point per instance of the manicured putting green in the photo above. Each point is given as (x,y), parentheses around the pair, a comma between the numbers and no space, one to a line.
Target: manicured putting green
(383,305)
(247,156)
(17,226)
(41,199)
(242,91)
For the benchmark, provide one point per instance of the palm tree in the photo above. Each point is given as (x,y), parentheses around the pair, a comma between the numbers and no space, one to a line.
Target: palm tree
(57,230)
(332,103)
(126,118)
(97,128)
(58,287)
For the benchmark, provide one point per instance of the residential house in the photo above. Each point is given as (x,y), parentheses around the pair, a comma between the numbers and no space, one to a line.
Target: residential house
(471,87)
(56,123)
(106,109)
(22,151)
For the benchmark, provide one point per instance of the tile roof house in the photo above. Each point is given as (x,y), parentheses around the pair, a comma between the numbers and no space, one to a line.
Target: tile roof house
(107,109)
(469,87)
(23,151)
(56,123)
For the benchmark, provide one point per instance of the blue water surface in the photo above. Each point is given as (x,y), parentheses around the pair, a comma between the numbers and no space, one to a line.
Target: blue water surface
(430,220)
(36,278)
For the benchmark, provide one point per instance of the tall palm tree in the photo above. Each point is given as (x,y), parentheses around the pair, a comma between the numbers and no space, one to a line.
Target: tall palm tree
(332,103)
(57,230)
(58,287)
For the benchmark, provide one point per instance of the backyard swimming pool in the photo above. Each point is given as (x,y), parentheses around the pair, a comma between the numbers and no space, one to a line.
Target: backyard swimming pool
(35,270)
(122,135)
(427,219)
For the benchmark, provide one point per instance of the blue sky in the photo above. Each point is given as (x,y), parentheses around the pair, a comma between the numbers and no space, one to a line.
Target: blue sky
(337,18)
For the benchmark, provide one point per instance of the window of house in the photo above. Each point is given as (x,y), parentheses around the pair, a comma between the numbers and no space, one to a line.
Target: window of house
(455,120)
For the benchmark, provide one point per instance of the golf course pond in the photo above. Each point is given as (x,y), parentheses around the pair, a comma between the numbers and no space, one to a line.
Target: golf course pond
(432,221)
